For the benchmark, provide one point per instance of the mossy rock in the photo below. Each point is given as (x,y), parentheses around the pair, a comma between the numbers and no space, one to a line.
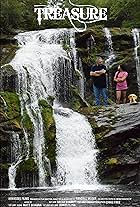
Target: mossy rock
(96,31)
(76,101)
(66,47)
(8,52)
(8,79)
(3,116)
(47,114)
(28,126)
(8,69)
(11,125)
(27,123)
(112,161)
(119,31)
(12,105)
(27,166)
(49,131)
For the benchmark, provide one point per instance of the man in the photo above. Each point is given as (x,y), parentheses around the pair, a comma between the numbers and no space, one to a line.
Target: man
(98,72)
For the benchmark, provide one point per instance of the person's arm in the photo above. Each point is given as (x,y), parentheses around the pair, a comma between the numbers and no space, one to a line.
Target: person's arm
(100,72)
(97,73)
(103,71)
(123,78)
(115,78)
(94,73)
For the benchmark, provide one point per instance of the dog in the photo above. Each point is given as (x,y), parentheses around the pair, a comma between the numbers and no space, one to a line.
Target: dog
(132,98)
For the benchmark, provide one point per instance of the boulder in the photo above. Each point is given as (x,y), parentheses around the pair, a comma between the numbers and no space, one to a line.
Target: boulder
(119,157)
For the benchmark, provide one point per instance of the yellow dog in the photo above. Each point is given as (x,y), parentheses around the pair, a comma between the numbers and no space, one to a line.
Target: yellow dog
(132,98)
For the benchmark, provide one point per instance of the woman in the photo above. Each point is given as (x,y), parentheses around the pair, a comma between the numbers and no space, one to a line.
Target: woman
(121,86)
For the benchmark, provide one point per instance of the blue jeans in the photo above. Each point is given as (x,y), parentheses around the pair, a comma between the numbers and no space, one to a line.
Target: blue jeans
(98,92)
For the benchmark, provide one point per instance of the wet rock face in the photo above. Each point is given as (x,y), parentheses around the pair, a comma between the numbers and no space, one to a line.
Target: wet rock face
(9,122)
(119,158)
(8,76)
(117,130)
(123,46)
(8,79)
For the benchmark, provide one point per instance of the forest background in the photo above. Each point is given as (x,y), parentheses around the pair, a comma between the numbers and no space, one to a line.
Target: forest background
(19,14)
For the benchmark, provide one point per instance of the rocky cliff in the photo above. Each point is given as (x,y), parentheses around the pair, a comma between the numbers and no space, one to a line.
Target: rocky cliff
(120,147)
(123,48)
(116,129)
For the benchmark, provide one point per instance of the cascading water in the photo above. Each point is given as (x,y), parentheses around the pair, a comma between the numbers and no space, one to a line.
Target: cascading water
(136,37)
(82,79)
(77,64)
(44,69)
(110,56)
(110,51)
(76,154)
(16,156)
(36,82)
(3,101)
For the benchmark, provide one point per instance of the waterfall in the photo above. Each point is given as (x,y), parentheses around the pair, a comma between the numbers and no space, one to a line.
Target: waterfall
(34,63)
(110,57)
(73,47)
(45,69)
(136,37)
(16,155)
(110,51)
(82,79)
(76,154)
(77,64)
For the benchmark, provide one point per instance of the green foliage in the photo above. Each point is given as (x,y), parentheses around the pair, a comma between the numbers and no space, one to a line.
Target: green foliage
(19,14)
(11,14)
(124,13)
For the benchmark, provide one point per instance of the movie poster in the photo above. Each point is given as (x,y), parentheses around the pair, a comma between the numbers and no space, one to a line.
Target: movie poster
(69,103)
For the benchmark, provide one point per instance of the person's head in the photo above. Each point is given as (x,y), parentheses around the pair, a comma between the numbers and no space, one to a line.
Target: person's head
(99,61)
(121,68)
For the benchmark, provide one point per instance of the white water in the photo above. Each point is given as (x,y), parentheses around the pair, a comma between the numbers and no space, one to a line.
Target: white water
(4,102)
(110,52)
(44,69)
(76,154)
(136,36)
(34,63)
(77,63)
(82,79)
(16,154)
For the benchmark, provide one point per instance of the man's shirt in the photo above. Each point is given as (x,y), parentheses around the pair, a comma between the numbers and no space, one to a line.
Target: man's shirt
(99,81)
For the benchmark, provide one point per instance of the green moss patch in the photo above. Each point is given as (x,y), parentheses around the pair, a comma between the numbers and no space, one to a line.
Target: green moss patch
(13,104)
(27,122)
(112,161)
(49,131)
(27,166)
